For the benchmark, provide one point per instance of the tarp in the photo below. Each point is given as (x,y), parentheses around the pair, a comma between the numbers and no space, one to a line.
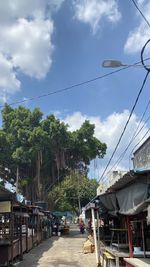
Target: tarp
(109,202)
(133,199)
(130,200)
(106,203)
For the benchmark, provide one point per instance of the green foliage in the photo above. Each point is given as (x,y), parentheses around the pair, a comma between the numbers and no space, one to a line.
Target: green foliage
(5,153)
(74,191)
(44,150)
(85,145)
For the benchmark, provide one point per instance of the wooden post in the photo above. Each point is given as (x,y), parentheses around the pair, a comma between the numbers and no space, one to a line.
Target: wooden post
(26,220)
(98,233)
(95,238)
(12,231)
(130,237)
(32,222)
(20,226)
(117,262)
(143,239)
(12,235)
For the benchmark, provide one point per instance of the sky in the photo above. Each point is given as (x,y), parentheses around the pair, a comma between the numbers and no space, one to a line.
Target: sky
(48,45)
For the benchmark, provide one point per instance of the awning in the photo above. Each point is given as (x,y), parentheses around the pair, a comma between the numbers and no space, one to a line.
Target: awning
(134,198)
(108,203)
(130,200)
(105,203)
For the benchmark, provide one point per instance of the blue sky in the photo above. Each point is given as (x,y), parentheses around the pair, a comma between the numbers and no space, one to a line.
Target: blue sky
(51,44)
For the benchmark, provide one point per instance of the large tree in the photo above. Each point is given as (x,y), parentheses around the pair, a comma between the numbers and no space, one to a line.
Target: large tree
(41,152)
(73,193)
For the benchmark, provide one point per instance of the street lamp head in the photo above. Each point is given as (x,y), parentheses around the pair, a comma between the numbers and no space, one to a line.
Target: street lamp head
(112,64)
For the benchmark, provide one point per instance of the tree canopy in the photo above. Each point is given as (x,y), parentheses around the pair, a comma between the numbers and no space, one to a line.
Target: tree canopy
(74,192)
(43,150)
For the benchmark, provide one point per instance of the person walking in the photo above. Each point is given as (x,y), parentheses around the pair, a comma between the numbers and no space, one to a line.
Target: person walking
(82,226)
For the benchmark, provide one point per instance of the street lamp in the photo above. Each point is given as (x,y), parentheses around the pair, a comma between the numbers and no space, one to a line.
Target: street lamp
(117,64)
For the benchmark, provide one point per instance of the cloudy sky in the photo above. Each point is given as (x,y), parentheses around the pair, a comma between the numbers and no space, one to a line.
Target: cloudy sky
(47,45)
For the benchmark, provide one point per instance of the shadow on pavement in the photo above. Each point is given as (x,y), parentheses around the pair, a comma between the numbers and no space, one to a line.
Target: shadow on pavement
(57,263)
(75,233)
(34,255)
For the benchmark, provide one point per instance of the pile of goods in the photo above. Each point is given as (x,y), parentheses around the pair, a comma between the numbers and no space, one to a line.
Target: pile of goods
(66,229)
(88,246)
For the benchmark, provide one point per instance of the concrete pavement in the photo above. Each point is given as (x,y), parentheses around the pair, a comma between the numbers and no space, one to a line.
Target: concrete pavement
(65,251)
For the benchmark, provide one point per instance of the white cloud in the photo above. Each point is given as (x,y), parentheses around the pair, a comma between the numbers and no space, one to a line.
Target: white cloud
(138,37)
(29,46)
(141,2)
(55,4)
(8,80)
(10,10)
(109,131)
(93,11)
(26,29)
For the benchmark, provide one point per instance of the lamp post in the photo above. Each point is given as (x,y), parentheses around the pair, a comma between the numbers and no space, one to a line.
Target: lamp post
(110,63)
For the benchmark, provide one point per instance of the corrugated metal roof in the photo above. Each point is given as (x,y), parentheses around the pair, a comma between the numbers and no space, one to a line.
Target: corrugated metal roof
(126,179)
(143,144)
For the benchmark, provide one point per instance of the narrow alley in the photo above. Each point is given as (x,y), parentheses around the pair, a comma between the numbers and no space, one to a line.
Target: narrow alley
(65,251)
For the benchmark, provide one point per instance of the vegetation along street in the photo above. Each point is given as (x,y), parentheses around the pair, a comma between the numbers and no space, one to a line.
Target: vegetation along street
(75,133)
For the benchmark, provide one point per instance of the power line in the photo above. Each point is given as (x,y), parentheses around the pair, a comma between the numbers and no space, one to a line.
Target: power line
(72,86)
(139,142)
(124,129)
(135,103)
(136,133)
(137,7)
(122,155)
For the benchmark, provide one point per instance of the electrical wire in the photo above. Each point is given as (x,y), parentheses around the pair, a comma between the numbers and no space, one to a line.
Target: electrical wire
(135,103)
(124,129)
(137,145)
(137,7)
(136,133)
(72,86)
(118,161)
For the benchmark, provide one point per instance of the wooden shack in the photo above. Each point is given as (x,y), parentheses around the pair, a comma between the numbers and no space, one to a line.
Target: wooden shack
(122,212)
(11,239)
(36,216)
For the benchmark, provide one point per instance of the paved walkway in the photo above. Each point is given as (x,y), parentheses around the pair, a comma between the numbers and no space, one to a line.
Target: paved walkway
(65,251)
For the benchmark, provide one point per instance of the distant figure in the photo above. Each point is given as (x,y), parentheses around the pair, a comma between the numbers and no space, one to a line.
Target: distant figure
(56,224)
(82,226)
(90,226)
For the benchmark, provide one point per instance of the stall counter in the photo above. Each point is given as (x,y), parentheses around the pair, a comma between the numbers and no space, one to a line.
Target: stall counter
(134,262)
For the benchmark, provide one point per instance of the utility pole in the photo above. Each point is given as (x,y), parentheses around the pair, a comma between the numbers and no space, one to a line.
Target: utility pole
(95,235)
(79,200)
(79,204)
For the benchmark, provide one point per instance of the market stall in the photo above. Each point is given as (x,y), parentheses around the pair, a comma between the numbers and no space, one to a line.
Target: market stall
(36,217)
(11,239)
(123,223)
(47,225)
(21,219)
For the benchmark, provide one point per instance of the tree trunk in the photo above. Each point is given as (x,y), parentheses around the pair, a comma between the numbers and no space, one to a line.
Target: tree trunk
(57,164)
(38,175)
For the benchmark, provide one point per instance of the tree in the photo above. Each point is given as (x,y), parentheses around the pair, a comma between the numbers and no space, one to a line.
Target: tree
(5,155)
(42,152)
(85,146)
(74,192)
(19,125)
